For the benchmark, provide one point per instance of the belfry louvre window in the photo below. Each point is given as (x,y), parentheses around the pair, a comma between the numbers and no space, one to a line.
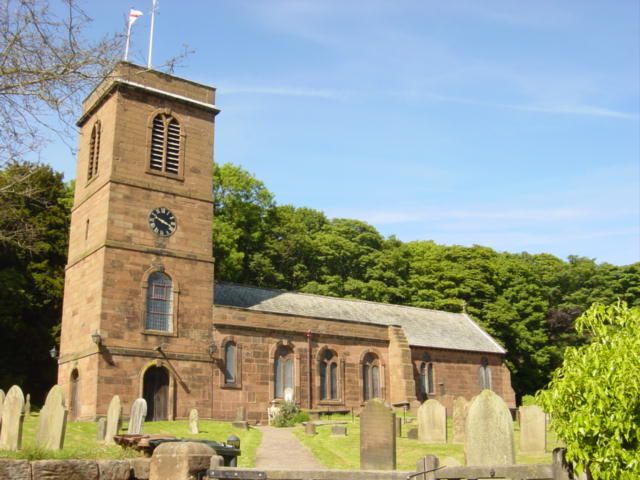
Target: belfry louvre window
(159,303)
(94,151)
(165,144)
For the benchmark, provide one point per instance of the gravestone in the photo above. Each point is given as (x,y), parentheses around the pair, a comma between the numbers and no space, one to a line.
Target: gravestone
(398,427)
(113,420)
(338,430)
(412,433)
(11,432)
(194,421)
(52,423)
(533,430)
(101,429)
(2,395)
(27,406)
(138,414)
(310,428)
(460,409)
(489,431)
(377,437)
(432,422)
(241,414)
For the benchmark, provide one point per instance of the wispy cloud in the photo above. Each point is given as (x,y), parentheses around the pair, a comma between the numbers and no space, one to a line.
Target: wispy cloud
(279,91)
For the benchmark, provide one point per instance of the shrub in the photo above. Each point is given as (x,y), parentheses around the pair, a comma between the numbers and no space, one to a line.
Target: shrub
(289,415)
(528,400)
(594,397)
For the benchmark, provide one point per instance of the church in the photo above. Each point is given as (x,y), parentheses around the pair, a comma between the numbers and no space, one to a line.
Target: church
(143,315)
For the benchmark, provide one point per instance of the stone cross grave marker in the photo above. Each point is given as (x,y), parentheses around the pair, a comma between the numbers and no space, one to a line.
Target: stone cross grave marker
(52,423)
(432,422)
(194,419)
(113,419)
(533,430)
(460,410)
(101,429)
(138,414)
(377,437)
(489,432)
(11,432)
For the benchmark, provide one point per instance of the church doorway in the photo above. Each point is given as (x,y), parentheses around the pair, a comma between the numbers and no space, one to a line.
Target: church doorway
(156,392)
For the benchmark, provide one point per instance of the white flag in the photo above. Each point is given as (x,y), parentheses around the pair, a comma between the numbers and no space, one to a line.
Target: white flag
(133,16)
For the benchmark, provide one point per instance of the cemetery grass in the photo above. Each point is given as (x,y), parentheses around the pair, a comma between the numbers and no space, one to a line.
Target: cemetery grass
(343,453)
(80,440)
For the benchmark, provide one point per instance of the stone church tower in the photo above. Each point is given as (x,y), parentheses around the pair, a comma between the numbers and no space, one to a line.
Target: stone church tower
(140,264)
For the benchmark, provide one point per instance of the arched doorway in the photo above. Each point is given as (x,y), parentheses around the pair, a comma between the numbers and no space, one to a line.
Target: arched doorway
(74,395)
(156,392)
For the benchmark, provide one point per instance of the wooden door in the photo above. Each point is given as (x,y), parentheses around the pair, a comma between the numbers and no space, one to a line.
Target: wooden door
(156,393)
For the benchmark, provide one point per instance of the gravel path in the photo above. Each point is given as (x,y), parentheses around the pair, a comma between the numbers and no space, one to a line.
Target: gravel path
(281,450)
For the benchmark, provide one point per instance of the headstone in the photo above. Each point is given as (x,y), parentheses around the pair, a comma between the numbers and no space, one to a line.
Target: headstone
(288,394)
(244,425)
(377,437)
(273,411)
(533,430)
(241,414)
(27,406)
(432,422)
(52,423)
(489,431)
(310,428)
(412,433)
(11,433)
(194,421)
(113,419)
(138,414)
(2,395)
(338,430)
(398,426)
(101,429)
(180,460)
(460,409)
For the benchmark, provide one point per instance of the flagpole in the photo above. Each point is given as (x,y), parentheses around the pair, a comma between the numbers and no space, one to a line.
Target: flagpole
(153,16)
(126,49)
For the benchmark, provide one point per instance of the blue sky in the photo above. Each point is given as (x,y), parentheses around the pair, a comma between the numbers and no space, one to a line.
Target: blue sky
(514,125)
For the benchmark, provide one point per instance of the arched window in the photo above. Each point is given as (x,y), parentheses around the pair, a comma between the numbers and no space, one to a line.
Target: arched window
(283,371)
(485,374)
(159,311)
(94,150)
(426,378)
(370,377)
(328,369)
(230,363)
(165,144)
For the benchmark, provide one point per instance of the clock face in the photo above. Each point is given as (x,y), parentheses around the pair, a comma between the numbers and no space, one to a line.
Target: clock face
(162,222)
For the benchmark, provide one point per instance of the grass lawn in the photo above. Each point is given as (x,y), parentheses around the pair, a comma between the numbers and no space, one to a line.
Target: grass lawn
(80,440)
(343,453)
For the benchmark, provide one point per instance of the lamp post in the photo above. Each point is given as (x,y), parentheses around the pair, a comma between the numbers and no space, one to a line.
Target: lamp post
(53,353)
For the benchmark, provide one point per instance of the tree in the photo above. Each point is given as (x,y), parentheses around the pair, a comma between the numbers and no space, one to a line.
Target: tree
(32,279)
(594,397)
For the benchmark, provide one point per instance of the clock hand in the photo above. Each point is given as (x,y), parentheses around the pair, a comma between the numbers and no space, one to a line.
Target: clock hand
(163,221)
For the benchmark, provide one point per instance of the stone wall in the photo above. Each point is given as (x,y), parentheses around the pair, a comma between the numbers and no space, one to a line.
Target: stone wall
(135,469)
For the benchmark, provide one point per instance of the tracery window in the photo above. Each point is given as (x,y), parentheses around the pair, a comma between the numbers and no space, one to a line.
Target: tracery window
(159,311)
(283,371)
(328,369)
(485,374)
(426,379)
(370,377)
(165,144)
(94,150)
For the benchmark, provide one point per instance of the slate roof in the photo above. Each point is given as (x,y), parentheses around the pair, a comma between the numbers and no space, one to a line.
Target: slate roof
(422,327)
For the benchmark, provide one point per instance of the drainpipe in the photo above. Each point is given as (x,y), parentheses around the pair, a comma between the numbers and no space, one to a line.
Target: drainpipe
(309,387)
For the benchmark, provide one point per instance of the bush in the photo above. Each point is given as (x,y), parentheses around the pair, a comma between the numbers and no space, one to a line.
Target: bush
(528,400)
(594,397)
(289,415)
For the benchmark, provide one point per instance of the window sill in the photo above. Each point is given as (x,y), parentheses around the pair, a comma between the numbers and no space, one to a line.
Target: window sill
(91,180)
(231,386)
(331,403)
(174,176)
(159,333)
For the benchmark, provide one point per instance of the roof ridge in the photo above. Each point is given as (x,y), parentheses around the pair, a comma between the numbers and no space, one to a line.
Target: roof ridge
(358,300)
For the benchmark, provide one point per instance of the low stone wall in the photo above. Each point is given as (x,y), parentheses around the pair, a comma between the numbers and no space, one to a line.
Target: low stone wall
(134,469)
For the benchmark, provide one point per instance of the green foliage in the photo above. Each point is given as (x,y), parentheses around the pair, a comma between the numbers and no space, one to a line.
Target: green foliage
(594,398)
(528,400)
(289,415)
